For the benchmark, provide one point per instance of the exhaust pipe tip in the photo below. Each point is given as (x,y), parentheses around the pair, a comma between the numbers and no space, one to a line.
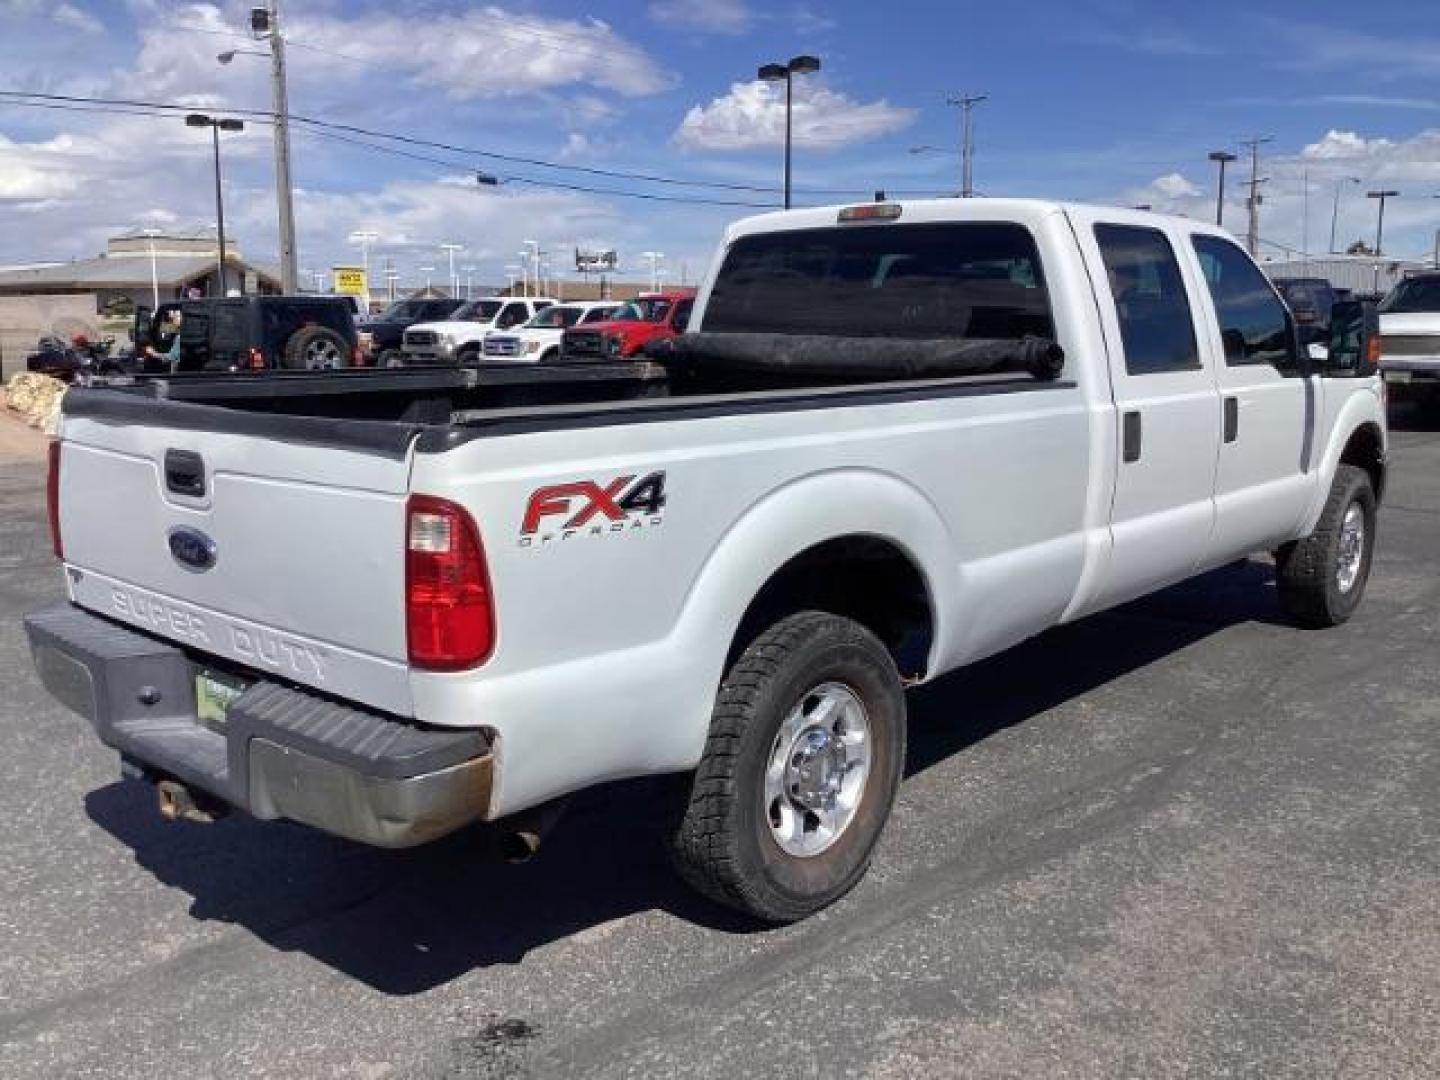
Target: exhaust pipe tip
(179,803)
(519,847)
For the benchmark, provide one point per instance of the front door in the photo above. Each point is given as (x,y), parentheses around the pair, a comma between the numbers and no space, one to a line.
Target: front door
(1167,412)
(1263,478)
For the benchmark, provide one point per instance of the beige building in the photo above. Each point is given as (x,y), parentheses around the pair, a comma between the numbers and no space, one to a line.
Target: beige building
(99,293)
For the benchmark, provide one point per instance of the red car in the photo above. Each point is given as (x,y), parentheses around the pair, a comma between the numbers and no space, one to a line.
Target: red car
(649,317)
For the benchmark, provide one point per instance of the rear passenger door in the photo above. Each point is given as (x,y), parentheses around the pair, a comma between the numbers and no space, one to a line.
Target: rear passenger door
(1262,479)
(1167,412)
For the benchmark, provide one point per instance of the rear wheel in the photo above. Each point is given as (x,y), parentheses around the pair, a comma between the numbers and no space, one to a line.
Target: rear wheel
(315,348)
(1322,578)
(806,747)
(550,355)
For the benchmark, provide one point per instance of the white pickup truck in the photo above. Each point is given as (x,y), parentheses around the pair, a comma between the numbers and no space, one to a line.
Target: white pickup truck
(1410,340)
(900,437)
(460,339)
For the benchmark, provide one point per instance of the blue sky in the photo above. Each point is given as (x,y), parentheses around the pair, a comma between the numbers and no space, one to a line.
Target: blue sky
(1099,100)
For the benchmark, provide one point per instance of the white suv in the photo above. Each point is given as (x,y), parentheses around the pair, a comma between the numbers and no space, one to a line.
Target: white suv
(539,339)
(459,339)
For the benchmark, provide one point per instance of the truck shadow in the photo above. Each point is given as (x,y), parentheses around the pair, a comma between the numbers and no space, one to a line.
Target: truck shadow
(406,922)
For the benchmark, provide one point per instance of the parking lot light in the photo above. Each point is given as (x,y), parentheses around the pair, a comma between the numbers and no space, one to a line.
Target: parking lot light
(217,125)
(798,65)
(1221,158)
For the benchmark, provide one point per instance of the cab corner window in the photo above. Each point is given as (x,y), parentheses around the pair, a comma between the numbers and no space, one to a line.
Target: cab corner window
(1156,326)
(1255,325)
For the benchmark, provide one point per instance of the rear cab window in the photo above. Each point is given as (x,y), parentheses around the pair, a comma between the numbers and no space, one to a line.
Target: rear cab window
(968,279)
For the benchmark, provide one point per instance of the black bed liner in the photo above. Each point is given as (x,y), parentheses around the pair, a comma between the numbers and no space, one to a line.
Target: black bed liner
(387,411)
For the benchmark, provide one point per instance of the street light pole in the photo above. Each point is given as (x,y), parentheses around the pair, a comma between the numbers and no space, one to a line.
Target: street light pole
(150,235)
(1380,223)
(450,250)
(798,65)
(199,120)
(654,258)
(1252,236)
(1335,210)
(1221,158)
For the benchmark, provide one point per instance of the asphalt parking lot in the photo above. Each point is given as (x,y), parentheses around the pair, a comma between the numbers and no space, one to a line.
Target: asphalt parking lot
(1179,839)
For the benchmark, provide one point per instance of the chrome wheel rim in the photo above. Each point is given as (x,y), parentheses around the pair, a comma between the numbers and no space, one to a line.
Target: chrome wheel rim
(818,766)
(322,354)
(1352,548)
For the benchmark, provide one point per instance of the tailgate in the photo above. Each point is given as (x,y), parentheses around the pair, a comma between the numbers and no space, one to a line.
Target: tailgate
(288,558)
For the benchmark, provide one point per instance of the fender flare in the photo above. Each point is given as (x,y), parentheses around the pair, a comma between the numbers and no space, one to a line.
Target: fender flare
(790,520)
(1358,411)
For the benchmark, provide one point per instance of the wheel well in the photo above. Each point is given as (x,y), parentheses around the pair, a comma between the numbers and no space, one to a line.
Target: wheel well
(1364,451)
(863,578)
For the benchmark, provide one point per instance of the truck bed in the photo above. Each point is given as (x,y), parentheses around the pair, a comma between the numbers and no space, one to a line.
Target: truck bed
(385,411)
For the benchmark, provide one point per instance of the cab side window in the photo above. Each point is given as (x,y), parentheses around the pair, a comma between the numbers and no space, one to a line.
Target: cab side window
(1255,325)
(1156,326)
(511,315)
(682,315)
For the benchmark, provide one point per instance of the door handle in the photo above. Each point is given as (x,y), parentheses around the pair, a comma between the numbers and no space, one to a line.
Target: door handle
(1232,419)
(185,473)
(1131,438)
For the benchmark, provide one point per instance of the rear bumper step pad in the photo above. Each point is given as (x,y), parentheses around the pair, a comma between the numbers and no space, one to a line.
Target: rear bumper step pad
(283,753)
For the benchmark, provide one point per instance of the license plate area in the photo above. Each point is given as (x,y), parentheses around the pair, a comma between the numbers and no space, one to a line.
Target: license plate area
(215,692)
(1397,376)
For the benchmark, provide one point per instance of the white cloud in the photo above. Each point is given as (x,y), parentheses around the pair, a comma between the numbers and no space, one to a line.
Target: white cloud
(73,17)
(65,14)
(752,114)
(1304,189)
(1174,186)
(1340,145)
(484,53)
(705,16)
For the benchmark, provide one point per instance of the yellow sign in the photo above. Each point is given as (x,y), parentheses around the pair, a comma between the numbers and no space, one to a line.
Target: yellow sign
(350,281)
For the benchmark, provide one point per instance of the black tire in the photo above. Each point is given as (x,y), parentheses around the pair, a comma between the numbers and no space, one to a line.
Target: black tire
(550,355)
(468,356)
(1313,591)
(390,358)
(725,846)
(315,348)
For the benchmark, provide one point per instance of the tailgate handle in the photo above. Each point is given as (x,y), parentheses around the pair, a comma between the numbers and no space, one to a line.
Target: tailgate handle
(185,473)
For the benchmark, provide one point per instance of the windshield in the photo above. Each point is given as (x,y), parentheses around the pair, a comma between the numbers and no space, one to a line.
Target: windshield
(477,311)
(951,280)
(643,311)
(554,318)
(1415,295)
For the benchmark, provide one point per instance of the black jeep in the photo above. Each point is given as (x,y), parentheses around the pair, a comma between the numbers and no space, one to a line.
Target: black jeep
(249,333)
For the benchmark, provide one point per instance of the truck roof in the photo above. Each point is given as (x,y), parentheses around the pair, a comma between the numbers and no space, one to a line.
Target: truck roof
(1027,211)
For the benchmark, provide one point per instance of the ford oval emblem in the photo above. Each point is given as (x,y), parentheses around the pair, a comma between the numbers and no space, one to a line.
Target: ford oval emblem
(192,548)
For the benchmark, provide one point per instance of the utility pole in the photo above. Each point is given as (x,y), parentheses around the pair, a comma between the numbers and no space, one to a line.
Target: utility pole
(1335,210)
(1252,236)
(280,105)
(966,104)
(1380,224)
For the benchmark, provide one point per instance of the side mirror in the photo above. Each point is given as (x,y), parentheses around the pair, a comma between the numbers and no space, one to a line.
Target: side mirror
(1354,340)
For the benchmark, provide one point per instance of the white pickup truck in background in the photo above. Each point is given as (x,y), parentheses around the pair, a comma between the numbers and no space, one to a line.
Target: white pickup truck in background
(900,437)
(1410,340)
(460,339)
(539,340)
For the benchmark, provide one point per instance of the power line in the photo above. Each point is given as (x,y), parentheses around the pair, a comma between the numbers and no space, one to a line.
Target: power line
(410,140)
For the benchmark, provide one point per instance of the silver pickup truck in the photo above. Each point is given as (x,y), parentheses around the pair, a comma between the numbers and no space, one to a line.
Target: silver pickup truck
(899,437)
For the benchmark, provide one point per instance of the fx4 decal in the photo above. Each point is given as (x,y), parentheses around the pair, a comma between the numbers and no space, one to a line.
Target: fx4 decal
(592,508)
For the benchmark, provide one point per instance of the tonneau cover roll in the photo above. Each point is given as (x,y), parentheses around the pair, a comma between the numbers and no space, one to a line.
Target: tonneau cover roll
(815,355)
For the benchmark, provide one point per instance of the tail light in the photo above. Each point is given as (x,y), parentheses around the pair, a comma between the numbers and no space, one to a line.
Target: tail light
(1372,352)
(257,360)
(449,617)
(52,498)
